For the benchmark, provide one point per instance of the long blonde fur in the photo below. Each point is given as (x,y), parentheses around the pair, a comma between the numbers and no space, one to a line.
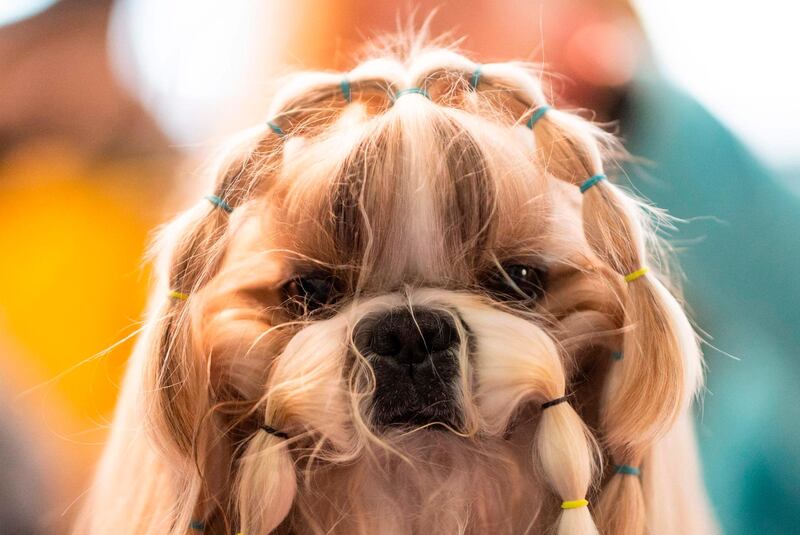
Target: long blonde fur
(410,202)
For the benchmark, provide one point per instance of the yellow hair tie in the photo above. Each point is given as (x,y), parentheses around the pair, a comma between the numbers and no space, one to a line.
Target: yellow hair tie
(574,504)
(630,277)
(178,295)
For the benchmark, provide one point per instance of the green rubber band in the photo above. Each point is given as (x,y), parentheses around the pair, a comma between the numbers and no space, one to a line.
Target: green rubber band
(344,85)
(412,91)
(197,525)
(616,355)
(219,203)
(475,78)
(628,470)
(591,181)
(538,114)
(276,129)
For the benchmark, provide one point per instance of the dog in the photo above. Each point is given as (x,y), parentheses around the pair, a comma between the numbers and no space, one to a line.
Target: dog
(413,302)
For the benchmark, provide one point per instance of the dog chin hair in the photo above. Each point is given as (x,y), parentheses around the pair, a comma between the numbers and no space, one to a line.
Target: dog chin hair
(504,363)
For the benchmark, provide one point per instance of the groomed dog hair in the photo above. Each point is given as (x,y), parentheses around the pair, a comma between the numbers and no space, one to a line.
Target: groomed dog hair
(410,178)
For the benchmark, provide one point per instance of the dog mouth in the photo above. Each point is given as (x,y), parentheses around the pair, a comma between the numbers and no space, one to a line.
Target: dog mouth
(442,414)
(418,398)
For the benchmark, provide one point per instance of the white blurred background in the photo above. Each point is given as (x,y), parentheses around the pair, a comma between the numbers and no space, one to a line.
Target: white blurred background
(192,61)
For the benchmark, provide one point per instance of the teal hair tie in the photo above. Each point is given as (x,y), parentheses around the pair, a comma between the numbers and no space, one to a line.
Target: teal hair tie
(538,114)
(411,91)
(591,181)
(344,85)
(276,129)
(628,470)
(197,525)
(475,78)
(616,355)
(219,203)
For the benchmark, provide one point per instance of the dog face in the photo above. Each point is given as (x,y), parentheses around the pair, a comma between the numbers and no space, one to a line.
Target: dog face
(381,246)
(391,290)
(400,316)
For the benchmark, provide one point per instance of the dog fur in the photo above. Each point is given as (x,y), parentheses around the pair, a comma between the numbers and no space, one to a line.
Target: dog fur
(409,203)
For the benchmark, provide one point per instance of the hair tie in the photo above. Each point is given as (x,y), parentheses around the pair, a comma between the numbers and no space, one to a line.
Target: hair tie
(628,470)
(616,355)
(175,294)
(630,277)
(276,129)
(197,525)
(553,402)
(344,85)
(219,203)
(591,181)
(272,431)
(411,91)
(538,114)
(475,78)
(574,504)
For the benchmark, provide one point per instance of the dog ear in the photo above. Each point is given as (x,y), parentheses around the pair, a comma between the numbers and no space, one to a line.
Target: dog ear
(176,387)
(176,376)
(177,371)
(654,383)
(190,251)
(661,370)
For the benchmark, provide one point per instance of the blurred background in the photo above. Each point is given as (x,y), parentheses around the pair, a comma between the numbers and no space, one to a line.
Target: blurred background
(104,104)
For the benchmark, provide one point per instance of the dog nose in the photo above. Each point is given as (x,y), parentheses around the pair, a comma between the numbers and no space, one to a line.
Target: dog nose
(415,365)
(412,337)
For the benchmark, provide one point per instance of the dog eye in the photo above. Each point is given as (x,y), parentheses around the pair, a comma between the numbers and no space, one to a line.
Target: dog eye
(517,282)
(310,292)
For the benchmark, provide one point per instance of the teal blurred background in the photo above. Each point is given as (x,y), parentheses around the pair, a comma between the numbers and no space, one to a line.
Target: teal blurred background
(104,103)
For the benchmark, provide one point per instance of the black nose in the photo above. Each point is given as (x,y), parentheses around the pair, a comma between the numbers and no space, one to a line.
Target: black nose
(413,355)
(412,337)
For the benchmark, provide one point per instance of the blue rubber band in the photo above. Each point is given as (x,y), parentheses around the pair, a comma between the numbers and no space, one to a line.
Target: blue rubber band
(616,355)
(475,78)
(344,85)
(219,203)
(591,181)
(538,114)
(197,525)
(628,470)
(276,129)
(412,91)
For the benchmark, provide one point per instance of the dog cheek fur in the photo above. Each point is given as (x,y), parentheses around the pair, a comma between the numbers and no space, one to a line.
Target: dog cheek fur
(403,481)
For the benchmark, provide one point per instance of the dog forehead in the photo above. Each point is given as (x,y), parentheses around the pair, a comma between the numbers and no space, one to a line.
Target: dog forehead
(410,240)
(429,207)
